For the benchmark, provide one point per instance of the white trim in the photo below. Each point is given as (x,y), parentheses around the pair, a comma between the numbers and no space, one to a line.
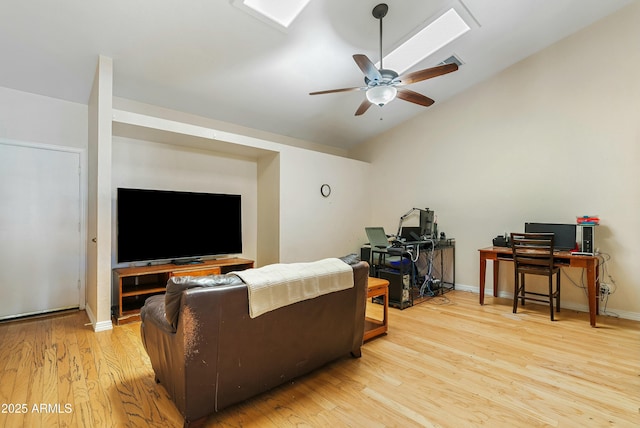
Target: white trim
(102,326)
(43,146)
(98,326)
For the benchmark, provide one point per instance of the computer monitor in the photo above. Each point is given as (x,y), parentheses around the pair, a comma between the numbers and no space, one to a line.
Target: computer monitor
(426,223)
(564,235)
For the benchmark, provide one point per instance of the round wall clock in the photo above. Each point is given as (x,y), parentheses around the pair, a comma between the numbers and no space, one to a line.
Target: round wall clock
(325,190)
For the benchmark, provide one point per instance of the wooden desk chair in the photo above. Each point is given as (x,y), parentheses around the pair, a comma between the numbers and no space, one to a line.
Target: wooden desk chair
(533,254)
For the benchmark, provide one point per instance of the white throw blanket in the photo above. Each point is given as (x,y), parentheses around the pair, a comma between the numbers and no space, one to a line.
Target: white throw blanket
(277,285)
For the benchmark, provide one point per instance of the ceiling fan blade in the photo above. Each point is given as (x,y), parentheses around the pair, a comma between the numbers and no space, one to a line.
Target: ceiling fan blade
(331,91)
(364,106)
(367,67)
(428,73)
(414,97)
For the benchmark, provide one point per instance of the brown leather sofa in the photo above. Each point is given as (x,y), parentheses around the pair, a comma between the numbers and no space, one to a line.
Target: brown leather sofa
(209,354)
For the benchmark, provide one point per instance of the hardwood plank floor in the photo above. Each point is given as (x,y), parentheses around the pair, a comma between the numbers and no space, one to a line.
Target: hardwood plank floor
(448,362)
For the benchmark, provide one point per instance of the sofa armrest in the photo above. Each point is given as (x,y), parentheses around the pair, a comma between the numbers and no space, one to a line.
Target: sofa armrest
(177,284)
(153,312)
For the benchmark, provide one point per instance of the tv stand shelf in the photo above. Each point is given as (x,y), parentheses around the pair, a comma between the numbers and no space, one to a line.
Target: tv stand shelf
(133,285)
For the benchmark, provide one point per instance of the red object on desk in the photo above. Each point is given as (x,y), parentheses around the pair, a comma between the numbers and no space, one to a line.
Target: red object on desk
(588,220)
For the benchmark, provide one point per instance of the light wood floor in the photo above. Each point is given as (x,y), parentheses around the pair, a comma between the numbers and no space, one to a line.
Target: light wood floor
(448,362)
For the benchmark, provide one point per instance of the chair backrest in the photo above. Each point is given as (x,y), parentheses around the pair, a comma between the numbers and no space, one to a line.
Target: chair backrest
(532,250)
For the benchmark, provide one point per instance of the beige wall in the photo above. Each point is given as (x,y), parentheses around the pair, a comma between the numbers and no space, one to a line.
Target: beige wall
(569,116)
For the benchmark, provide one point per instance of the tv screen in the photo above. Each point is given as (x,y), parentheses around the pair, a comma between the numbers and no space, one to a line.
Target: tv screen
(161,224)
(564,235)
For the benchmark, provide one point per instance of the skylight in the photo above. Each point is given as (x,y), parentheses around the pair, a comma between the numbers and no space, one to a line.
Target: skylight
(445,29)
(280,12)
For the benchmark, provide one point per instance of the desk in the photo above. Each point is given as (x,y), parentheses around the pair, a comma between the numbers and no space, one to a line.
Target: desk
(377,288)
(404,279)
(562,258)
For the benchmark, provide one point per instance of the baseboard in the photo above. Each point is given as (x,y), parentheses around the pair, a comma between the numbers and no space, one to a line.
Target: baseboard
(616,313)
(97,326)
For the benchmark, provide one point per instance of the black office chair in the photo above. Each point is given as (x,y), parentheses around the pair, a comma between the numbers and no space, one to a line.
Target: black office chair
(533,254)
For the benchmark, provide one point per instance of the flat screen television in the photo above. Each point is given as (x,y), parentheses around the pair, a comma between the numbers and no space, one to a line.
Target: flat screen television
(172,225)
(564,235)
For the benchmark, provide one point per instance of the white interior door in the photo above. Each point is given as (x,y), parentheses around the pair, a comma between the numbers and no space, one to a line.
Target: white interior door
(39,229)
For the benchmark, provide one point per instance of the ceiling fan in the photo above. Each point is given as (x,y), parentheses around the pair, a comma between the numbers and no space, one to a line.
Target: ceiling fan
(382,85)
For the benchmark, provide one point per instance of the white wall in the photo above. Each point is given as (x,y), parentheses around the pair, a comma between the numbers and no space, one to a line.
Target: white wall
(268,209)
(99,273)
(312,226)
(149,165)
(33,118)
(551,138)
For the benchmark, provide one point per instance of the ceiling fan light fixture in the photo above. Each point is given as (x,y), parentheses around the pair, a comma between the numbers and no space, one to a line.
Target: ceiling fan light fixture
(381,94)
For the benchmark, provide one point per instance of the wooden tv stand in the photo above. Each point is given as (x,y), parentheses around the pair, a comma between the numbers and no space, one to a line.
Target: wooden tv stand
(134,285)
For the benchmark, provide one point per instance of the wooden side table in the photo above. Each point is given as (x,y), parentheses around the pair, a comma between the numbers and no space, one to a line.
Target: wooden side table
(377,287)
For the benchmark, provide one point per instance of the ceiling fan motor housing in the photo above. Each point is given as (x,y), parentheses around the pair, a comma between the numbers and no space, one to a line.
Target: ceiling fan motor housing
(388,77)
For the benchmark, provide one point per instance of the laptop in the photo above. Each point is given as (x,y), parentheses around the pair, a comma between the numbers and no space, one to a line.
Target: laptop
(378,240)
(377,237)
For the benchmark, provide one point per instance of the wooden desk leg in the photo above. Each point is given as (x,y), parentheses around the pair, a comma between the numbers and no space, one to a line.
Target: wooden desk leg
(496,270)
(375,327)
(385,310)
(483,272)
(597,288)
(592,291)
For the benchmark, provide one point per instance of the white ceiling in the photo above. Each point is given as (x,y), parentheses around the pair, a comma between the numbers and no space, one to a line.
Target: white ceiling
(209,58)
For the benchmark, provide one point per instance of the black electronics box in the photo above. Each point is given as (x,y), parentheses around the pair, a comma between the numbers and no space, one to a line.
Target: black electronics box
(396,285)
(501,241)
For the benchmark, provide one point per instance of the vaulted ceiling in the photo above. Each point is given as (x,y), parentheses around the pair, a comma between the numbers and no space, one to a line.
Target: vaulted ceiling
(212,59)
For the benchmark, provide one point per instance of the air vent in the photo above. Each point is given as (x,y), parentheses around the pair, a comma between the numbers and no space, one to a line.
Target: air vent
(452,60)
